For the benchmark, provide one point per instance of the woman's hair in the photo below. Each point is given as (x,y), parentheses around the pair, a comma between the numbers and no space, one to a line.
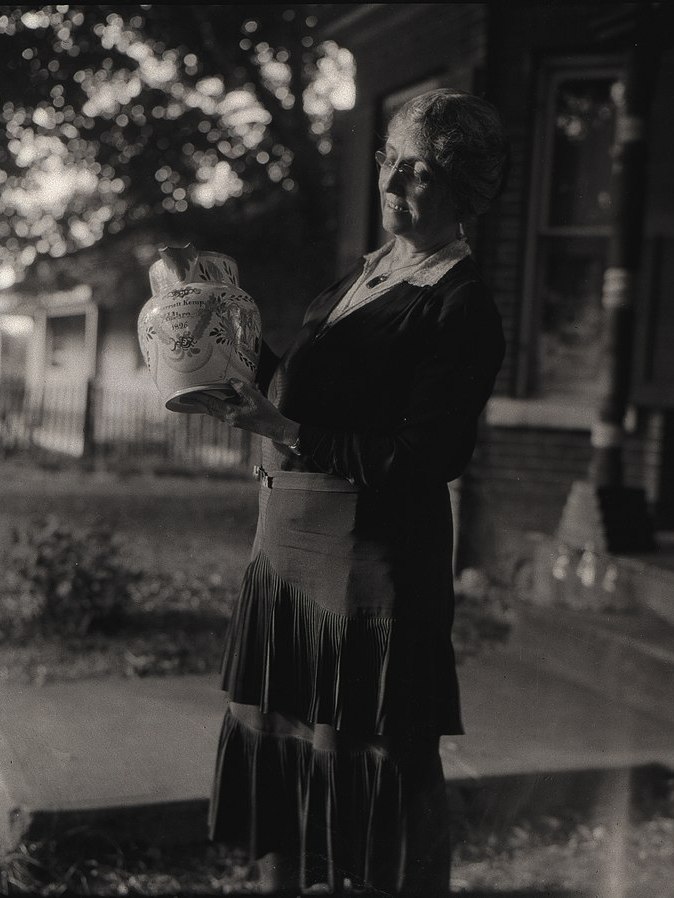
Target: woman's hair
(464,136)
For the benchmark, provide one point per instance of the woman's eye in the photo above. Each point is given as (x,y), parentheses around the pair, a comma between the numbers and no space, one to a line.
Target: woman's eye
(422,174)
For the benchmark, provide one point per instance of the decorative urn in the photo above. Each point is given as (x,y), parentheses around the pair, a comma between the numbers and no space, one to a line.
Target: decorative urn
(199,329)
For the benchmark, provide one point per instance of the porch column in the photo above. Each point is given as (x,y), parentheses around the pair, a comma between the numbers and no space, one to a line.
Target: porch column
(601,513)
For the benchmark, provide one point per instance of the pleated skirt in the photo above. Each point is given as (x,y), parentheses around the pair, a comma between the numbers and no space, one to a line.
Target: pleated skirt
(328,752)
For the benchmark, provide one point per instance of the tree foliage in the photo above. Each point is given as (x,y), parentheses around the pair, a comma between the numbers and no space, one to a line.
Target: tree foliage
(118,115)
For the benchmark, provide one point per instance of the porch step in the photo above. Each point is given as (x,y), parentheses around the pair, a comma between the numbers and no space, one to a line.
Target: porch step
(628,657)
(601,581)
(655,570)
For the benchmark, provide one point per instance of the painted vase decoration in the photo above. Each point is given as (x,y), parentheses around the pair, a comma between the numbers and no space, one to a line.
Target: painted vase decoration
(199,329)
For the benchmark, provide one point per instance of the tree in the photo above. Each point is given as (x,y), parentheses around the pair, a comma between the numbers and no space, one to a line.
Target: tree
(114,116)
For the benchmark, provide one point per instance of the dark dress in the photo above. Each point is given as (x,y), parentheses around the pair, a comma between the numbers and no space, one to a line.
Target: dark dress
(339,665)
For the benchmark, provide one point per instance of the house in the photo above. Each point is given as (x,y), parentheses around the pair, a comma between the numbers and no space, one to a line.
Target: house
(72,323)
(74,381)
(576,453)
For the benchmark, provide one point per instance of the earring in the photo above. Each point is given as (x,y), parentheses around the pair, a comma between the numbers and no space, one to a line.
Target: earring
(460,233)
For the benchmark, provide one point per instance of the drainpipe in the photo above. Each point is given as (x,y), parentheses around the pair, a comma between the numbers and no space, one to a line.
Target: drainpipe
(601,513)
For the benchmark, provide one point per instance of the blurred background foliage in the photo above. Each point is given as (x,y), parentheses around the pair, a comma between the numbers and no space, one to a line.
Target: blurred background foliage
(203,122)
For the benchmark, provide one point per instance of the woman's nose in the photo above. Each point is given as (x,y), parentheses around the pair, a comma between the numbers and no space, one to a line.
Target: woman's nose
(394,180)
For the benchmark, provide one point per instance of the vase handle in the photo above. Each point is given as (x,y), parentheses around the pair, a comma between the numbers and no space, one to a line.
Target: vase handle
(178,259)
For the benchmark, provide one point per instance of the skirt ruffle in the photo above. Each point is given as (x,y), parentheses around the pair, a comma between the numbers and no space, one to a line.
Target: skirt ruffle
(365,674)
(374,813)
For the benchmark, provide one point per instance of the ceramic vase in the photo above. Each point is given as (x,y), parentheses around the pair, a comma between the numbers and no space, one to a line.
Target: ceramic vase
(199,329)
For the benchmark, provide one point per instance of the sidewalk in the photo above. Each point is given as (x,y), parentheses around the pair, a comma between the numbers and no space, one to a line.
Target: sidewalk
(138,754)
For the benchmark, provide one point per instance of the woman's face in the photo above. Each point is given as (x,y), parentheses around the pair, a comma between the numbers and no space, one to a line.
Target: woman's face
(420,213)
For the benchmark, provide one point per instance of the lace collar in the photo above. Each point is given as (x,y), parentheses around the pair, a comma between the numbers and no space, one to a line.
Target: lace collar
(428,272)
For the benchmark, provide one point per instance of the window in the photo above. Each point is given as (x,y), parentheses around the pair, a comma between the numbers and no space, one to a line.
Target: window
(569,229)
(16,333)
(66,345)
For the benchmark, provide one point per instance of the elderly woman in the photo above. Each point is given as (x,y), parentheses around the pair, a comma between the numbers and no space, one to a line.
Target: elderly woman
(339,666)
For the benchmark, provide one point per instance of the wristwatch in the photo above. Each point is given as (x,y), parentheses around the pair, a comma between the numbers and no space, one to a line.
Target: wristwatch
(295,446)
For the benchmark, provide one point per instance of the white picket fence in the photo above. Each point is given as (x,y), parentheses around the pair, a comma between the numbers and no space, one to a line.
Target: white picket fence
(115,426)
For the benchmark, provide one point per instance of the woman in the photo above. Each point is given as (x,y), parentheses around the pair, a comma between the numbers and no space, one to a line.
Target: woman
(339,666)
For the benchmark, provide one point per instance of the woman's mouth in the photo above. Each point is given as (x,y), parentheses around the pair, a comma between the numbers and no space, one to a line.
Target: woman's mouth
(396,206)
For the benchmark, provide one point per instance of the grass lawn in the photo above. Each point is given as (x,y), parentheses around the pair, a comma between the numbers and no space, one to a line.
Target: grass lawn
(192,538)
(172,524)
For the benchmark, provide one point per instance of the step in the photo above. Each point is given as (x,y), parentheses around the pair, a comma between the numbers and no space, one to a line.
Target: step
(655,571)
(602,581)
(627,656)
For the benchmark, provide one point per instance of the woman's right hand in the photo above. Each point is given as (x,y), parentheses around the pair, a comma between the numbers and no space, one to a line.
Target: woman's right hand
(248,409)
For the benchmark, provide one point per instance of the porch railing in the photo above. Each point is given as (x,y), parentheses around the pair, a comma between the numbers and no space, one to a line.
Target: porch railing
(115,426)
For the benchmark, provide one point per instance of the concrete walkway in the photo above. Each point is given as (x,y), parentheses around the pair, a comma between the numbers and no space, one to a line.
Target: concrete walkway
(138,754)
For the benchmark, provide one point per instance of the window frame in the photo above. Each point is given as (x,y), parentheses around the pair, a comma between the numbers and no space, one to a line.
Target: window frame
(552,71)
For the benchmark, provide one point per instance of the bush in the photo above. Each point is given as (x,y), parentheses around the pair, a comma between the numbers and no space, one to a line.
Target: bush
(64,581)
(483,617)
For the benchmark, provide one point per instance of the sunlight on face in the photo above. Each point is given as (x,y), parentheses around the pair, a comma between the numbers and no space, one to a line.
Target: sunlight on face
(423,216)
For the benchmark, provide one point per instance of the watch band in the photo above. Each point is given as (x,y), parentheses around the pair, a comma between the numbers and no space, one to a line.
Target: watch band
(295,446)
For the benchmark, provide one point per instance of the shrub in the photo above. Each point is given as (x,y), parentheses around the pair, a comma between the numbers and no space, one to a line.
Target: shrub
(483,617)
(64,581)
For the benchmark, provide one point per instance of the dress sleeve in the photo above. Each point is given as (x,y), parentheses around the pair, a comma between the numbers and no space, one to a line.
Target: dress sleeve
(434,436)
(266,367)
(269,361)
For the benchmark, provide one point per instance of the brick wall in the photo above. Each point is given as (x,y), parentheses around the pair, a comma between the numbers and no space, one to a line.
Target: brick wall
(518,482)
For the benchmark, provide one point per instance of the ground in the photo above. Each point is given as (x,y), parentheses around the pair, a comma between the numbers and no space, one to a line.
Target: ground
(551,856)
(193,538)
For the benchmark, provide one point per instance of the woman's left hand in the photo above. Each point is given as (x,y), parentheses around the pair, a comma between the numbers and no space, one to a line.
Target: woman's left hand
(249,410)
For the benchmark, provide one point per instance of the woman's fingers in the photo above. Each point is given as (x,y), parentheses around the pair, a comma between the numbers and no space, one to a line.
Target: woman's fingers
(195,400)
(239,405)
(244,391)
(209,404)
